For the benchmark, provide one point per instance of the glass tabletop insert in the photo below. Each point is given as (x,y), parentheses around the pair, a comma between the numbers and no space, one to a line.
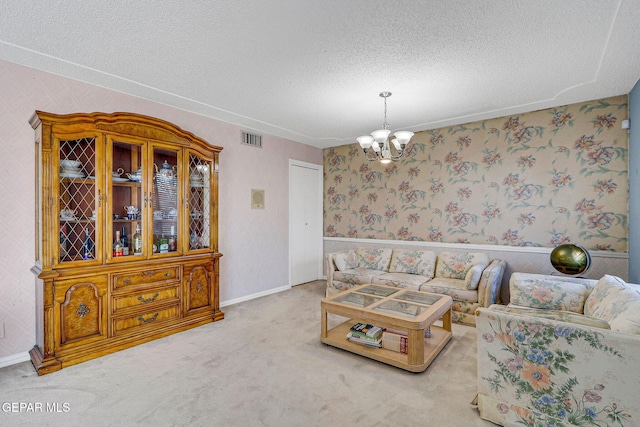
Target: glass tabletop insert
(418,297)
(378,291)
(401,308)
(358,300)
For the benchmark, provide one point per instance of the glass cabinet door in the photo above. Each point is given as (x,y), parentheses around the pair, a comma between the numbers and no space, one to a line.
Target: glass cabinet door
(126,200)
(78,199)
(199,202)
(164,200)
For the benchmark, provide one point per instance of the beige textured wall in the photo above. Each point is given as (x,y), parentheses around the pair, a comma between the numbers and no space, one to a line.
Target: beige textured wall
(536,179)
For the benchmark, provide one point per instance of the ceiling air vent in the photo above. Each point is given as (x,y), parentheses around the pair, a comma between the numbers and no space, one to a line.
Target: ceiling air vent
(252,139)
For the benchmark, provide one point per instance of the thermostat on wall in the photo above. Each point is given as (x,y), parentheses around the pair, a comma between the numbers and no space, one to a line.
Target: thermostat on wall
(257,199)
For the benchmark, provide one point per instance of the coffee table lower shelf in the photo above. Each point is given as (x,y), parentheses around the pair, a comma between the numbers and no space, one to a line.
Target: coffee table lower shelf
(336,337)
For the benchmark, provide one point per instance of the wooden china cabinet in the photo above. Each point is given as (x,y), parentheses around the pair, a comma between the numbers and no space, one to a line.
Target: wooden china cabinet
(126,234)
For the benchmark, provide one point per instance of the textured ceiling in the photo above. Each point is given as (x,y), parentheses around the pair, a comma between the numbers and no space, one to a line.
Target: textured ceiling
(311,71)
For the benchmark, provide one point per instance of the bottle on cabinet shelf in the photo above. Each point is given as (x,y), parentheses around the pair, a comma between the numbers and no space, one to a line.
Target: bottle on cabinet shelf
(137,241)
(163,244)
(117,246)
(125,241)
(172,239)
(87,245)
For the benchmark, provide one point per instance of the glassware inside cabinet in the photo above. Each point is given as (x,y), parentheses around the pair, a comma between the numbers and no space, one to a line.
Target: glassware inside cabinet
(165,200)
(77,199)
(126,197)
(199,199)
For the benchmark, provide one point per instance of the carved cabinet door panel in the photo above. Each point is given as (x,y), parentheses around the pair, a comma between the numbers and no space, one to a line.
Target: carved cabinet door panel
(80,310)
(198,287)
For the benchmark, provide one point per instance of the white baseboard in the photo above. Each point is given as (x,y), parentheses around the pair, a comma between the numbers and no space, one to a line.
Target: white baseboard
(254,296)
(14,359)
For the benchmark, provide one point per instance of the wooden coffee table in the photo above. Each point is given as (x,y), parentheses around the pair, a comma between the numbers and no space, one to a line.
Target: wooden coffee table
(395,308)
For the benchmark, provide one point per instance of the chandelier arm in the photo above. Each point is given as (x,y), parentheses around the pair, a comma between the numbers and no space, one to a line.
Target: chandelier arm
(398,156)
(368,157)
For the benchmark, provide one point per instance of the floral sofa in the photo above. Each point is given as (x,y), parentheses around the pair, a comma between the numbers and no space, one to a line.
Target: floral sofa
(471,279)
(565,352)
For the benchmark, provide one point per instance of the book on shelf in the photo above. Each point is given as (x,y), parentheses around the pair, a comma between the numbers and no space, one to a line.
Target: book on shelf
(365,334)
(364,341)
(395,341)
(366,331)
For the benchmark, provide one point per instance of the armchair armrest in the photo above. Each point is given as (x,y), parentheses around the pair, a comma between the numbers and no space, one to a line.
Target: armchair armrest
(555,372)
(490,283)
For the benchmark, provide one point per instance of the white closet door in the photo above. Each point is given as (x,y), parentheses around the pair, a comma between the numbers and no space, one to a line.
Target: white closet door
(305,222)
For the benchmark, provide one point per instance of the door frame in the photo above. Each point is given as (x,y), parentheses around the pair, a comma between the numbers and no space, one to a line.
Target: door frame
(319,244)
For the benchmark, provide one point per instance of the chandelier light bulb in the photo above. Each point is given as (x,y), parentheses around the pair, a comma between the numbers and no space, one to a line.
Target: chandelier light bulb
(403,137)
(365,141)
(380,135)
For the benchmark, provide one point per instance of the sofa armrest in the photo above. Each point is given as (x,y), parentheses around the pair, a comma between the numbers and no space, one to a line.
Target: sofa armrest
(490,283)
(554,371)
(330,266)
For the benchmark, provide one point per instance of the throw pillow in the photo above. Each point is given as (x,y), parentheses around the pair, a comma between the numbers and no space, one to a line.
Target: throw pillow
(472,279)
(374,258)
(625,312)
(457,265)
(538,291)
(600,301)
(345,260)
(413,262)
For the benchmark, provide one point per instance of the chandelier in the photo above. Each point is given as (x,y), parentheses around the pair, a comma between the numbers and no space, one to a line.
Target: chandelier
(377,147)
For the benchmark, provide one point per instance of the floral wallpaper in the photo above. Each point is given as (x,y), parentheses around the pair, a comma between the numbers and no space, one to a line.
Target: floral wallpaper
(541,178)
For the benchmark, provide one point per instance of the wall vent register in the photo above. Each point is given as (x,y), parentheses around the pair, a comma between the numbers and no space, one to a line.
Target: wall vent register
(252,139)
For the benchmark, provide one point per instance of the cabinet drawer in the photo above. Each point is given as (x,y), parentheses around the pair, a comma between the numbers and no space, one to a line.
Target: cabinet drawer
(151,296)
(146,277)
(144,319)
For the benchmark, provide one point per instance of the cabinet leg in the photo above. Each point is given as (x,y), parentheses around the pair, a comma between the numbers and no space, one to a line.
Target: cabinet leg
(42,365)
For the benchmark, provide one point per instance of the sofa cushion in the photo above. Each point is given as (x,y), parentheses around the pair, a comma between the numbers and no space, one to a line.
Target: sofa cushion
(456,265)
(600,301)
(374,258)
(625,311)
(559,315)
(455,288)
(356,276)
(346,260)
(538,291)
(413,262)
(401,280)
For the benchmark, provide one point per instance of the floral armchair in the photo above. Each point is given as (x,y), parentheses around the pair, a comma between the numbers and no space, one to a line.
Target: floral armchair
(551,371)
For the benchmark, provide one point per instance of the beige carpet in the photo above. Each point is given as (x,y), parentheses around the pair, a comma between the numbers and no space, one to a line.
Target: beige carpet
(263,365)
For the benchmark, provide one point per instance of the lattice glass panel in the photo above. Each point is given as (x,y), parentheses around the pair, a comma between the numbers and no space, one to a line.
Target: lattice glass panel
(199,202)
(77,199)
